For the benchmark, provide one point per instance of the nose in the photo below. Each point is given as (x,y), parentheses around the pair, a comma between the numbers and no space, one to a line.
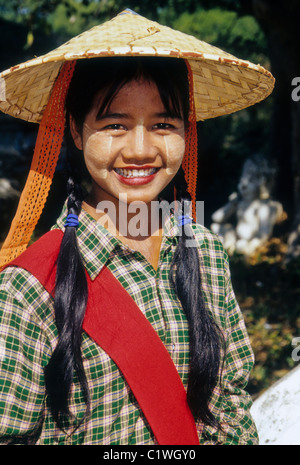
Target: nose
(139,145)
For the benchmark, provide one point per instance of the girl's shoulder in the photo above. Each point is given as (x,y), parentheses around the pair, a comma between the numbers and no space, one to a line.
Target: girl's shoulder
(211,251)
(23,295)
(26,274)
(206,239)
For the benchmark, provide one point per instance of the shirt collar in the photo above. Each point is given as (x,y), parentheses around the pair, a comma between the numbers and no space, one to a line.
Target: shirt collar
(97,244)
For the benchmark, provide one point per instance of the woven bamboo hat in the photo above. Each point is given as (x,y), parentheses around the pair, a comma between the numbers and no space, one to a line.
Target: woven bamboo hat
(35,91)
(222,83)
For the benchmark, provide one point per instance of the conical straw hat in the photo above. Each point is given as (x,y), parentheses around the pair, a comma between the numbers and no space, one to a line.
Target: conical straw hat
(35,91)
(222,83)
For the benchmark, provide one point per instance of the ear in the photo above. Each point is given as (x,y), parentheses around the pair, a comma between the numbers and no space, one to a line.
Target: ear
(75,133)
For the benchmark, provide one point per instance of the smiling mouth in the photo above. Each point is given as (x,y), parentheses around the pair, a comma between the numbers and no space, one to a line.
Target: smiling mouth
(135,173)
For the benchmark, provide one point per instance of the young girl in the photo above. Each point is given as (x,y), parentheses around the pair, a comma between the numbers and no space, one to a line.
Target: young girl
(119,327)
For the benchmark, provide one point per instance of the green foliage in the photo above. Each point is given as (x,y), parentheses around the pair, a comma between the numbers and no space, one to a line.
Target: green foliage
(211,26)
(65,23)
(240,36)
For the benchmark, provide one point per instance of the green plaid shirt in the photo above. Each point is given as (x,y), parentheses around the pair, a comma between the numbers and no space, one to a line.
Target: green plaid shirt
(28,336)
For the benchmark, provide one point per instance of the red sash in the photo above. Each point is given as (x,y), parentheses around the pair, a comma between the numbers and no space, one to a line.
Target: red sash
(117,325)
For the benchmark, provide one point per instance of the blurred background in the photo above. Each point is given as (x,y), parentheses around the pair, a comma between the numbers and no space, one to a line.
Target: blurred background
(267,283)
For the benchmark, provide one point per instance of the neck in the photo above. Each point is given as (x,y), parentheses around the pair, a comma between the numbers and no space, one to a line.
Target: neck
(134,226)
(135,221)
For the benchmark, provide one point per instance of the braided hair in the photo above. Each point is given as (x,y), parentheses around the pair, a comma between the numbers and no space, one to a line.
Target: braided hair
(205,338)
(70,304)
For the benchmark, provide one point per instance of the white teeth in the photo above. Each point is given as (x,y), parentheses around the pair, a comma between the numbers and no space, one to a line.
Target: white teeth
(136,173)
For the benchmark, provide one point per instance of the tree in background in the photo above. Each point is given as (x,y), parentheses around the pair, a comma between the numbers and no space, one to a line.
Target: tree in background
(280,21)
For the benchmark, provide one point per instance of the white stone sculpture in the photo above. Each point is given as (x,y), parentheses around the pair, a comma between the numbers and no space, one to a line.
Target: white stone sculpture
(7,191)
(246,222)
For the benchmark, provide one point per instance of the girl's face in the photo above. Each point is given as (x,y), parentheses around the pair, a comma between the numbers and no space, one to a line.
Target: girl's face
(134,148)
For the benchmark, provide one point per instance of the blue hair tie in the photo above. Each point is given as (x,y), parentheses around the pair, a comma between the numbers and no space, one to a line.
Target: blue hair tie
(184,219)
(72,221)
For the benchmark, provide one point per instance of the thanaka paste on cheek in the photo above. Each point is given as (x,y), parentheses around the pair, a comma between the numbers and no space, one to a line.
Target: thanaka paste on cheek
(91,146)
(173,156)
(168,170)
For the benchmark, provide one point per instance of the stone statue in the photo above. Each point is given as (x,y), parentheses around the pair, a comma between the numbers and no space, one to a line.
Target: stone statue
(8,198)
(7,190)
(246,222)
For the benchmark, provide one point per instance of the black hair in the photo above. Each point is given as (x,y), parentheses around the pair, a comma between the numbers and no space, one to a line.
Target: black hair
(110,74)
(70,304)
(205,337)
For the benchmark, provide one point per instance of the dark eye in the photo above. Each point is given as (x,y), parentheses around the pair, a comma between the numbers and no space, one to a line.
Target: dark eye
(163,126)
(115,127)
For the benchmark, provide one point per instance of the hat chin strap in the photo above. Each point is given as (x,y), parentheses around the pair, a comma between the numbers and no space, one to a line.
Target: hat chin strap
(190,159)
(46,153)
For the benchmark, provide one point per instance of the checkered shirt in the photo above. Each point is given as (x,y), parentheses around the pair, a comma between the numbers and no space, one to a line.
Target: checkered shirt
(28,336)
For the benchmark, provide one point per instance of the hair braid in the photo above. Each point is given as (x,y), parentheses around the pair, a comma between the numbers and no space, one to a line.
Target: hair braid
(205,336)
(70,305)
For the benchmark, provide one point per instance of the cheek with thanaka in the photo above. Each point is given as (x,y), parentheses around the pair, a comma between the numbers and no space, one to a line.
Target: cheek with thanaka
(93,141)
(174,153)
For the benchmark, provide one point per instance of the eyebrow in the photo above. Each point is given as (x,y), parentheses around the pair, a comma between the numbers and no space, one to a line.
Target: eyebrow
(112,116)
(165,115)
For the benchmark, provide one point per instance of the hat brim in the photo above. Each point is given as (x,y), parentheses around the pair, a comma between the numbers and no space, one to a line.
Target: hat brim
(223,83)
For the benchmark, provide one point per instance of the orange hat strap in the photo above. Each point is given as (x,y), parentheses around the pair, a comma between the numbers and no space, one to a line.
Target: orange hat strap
(190,159)
(46,153)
